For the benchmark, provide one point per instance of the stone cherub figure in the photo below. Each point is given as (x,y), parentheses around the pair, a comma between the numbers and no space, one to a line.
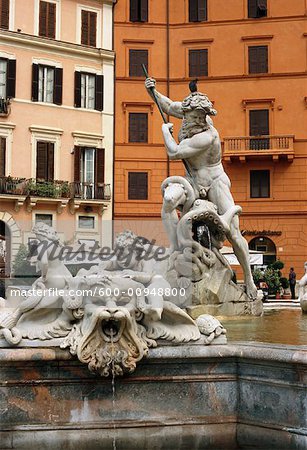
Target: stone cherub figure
(44,313)
(199,146)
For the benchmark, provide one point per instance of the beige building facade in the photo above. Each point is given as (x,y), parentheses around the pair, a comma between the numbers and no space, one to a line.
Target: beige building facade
(56,120)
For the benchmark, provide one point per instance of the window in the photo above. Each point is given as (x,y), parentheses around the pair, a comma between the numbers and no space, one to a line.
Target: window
(4,14)
(47,19)
(138,10)
(259,126)
(260,183)
(197,10)
(47,84)
(45,161)
(2,156)
(137,186)
(7,77)
(89,172)
(86,222)
(88,28)
(88,91)
(138,127)
(258,59)
(3,80)
(136,59)
(44,218)
(198,63)
(257,8)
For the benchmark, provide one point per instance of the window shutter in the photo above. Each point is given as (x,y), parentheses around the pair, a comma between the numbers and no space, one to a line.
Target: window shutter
(50,161)
(263,58)
(202,10)
(254,185)
(138,127)
(99,92)
(198,63)
(42,160)
(262,8)
(5,14)
(259,122)
(144,11)
(137,185)
(84,27)
(93,29)
(265,183)
(134,10)
(252,60)
(260,183)
(34,82)
(193,66)
(193,10)
(99,165)
(2,156)
(203,63)
(88,28)
(252,8)
(51,19)
(136,59)
(42,18)
(77,164)
(77,89)
(11,78)
(258,59)
(58,86)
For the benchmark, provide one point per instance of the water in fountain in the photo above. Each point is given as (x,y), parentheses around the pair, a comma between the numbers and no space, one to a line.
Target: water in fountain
(209,237)
(203,236)
(112,333)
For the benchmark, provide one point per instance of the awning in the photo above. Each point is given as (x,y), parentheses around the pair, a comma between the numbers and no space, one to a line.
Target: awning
(255,258)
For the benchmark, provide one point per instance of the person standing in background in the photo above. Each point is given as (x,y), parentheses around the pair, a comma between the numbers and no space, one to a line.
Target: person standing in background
(292,282)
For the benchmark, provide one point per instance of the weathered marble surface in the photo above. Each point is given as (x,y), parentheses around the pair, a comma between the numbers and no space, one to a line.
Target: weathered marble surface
(180,397)
(302,286)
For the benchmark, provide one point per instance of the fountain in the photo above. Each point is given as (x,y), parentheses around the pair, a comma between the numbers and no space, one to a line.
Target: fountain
(142,318)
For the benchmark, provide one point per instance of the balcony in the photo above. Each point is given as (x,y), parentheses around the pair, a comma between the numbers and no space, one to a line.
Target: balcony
(241,148)
(30,191)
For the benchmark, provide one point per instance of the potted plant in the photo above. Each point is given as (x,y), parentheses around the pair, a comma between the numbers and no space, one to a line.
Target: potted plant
(271,277)
(285,285)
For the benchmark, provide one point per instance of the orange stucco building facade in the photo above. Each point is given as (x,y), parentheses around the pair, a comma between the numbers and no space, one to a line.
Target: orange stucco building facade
(252,63)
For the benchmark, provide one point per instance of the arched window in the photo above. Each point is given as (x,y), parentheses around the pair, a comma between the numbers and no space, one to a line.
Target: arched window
(266,246)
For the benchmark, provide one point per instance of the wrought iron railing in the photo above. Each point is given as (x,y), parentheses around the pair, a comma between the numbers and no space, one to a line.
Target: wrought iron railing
(54,189)
(258,143)
(98,191)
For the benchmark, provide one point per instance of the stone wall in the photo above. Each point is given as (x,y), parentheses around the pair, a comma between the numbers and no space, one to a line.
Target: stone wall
(180,397)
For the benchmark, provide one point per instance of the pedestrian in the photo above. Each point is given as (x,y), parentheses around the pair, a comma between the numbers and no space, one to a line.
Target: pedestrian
(292,282)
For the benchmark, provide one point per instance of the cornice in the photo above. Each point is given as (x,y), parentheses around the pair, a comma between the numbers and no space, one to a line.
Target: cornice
(252,101)
(28,40)
(7,125)
(198,41)
(138,41)
(257,37)
(270,213)
(45,130)
(210,23)
(242,77)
